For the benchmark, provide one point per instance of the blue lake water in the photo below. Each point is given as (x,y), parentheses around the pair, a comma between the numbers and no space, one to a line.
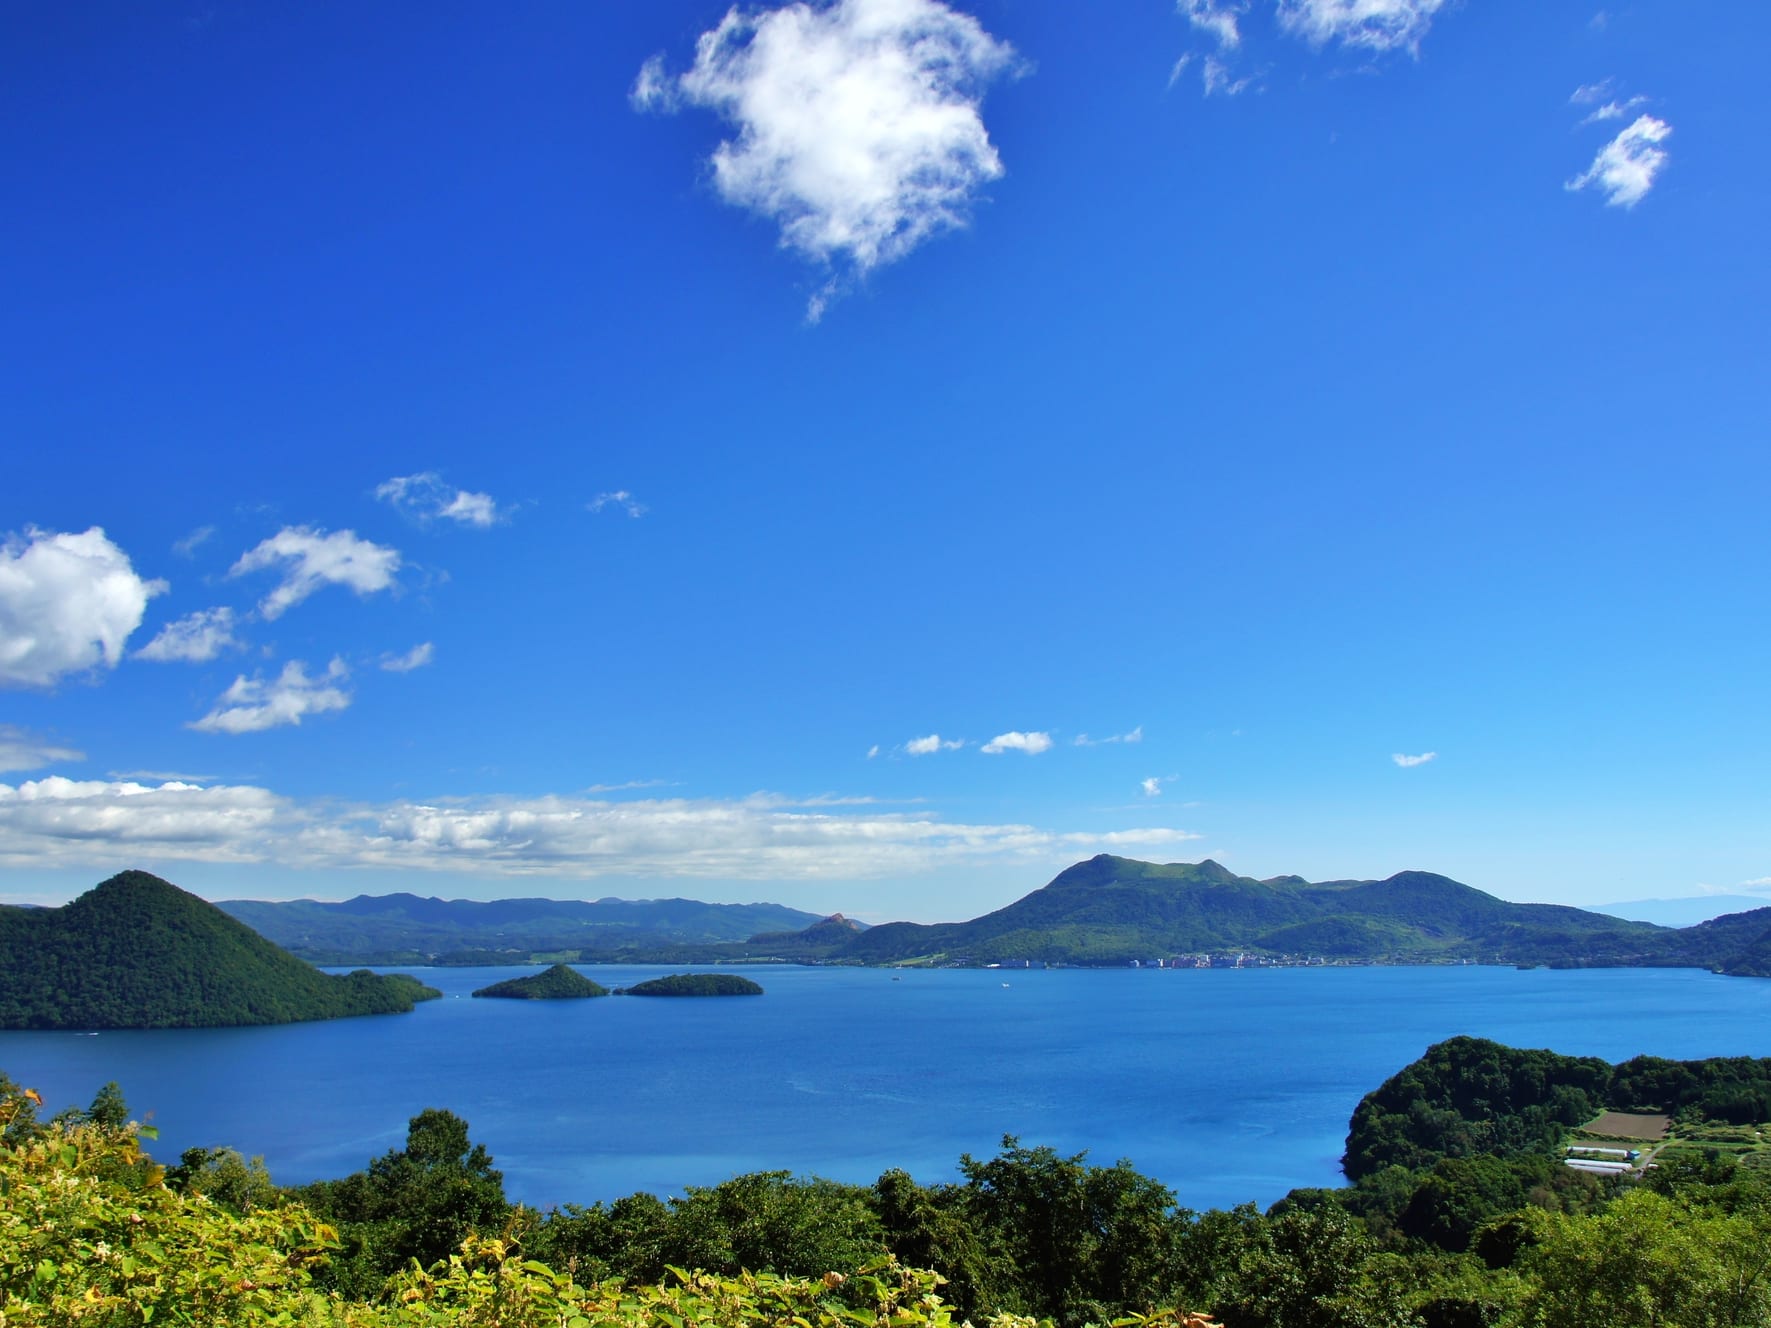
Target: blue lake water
(1227,1085)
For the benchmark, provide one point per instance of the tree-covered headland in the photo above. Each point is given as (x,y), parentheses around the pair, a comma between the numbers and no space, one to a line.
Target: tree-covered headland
(138,952)
(1461,1215)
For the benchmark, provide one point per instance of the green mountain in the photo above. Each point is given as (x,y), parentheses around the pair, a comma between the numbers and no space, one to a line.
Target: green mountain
(1112,910)
(406,928)
(138,952)
(558,983)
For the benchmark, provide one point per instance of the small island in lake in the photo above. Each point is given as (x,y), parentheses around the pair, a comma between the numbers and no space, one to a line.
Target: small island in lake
(558,983)
(695,984)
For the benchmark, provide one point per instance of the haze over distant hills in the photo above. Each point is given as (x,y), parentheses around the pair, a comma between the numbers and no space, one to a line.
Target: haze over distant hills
(407,929)
(1686,912)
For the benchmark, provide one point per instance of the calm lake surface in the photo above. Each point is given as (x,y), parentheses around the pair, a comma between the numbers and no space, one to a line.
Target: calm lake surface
(1227,1085)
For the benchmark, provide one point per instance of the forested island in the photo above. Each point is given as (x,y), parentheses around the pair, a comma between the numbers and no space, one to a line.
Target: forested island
(137,952)
(695,984)
(558,983)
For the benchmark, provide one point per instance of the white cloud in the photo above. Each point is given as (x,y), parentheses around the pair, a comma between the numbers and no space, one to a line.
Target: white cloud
(1409,762)
(1626,167)
(620,498)
(425,497)
(1217,78)
(1757,883)
(1135,735)
(311,560)
(1614,110)
(62,822)
(1216,18)
(932,744)
(1153,786)
(252,704)
(415,658)
(1180,67)
(58,821)
(195,637)
(1031,743)
(67,604)
(20,750)
(858,125)
(1589,93)
(873,751)
(1377,25)
(187,547)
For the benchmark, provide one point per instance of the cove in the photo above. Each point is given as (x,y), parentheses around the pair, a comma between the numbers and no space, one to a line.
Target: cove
(1228,1085)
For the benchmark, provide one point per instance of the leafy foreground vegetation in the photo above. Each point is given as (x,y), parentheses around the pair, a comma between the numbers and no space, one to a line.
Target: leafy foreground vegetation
(137,952)
(1480,1227)
(558,983)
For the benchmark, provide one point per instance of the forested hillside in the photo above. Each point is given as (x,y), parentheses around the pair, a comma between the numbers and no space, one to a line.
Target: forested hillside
(138,952)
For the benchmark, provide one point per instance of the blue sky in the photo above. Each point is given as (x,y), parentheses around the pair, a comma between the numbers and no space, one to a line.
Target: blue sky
(870,456)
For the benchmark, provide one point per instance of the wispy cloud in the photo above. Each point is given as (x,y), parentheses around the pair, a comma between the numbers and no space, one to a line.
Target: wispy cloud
(1589,94)
(1625,169)
(1134,735)
(68,603)
(619,499)
(311,560)
(415,658)
(1219,81)
(1153,786)
(859,130)
(425,497)
(58,822)
(934,742)
(252,705)
(188,546)
(1375,25)
(873,751)
(1217,18)
(1409,762)
(1031,743)
(194,638)
(22,750)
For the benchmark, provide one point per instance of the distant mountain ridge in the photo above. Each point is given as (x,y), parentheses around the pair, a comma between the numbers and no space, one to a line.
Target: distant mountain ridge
(1112,910)
(137,952)
(408,928)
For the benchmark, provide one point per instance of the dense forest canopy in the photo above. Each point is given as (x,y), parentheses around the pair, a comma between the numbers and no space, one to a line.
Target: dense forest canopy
(695,984)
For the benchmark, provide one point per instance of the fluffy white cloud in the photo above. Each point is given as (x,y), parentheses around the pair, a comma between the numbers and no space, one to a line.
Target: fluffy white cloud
(1376,25)
(931,744)
(67,604)
(310,560)
(20,750)
(1216,17)
(62,822)
(1152,786)
(107,823)
(195,637)
(1031,743)
(858,124)
(1626,167)
(415,658)
(252,704)
(619,498)
(425,497)
(1409,762)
